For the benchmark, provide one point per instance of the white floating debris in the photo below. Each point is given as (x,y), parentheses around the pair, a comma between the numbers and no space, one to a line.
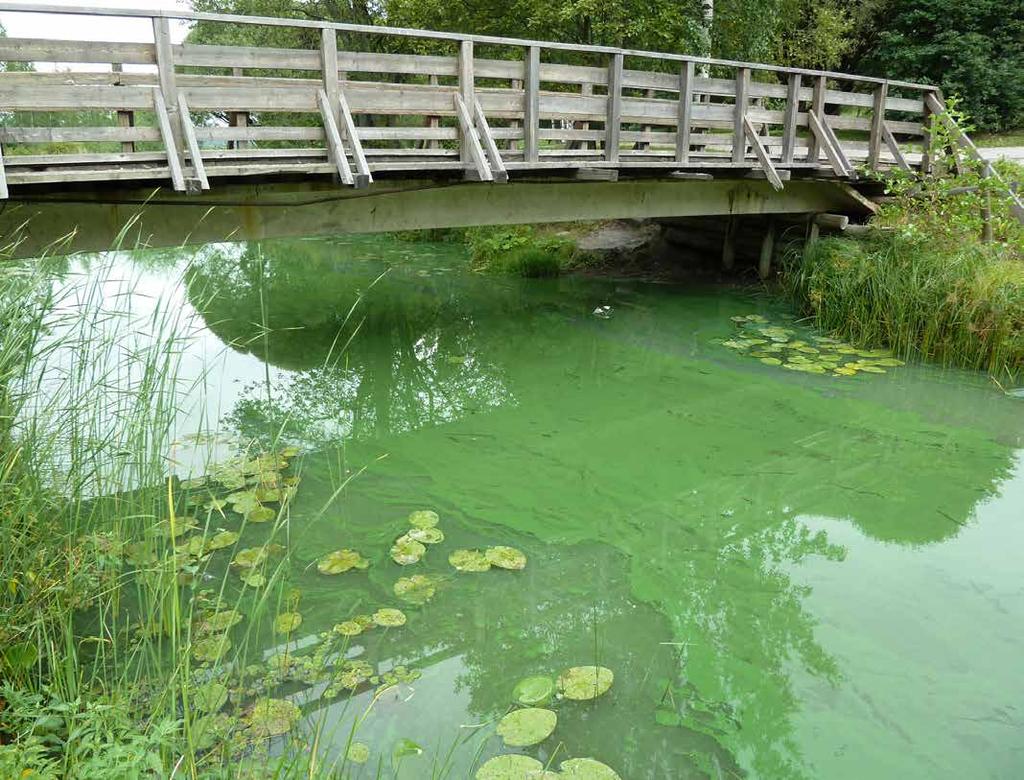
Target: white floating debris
(604,312)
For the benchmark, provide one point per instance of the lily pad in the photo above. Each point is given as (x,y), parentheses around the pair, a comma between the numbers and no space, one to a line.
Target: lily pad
(250,557)
(341,561)
(358,753)
(348,628)
(587,769)
(220,540)
(423,518)
(418,589)
(509,767)
(530,726)
(218,622)
(272,717)
(406,551)
(389,617)
(771,361)
(287,622)
(585,682)
(354,673)
(261,514)
(210,697)
(469,560)
(426,535)
(211,648)
(506,557)
(535,690)
(254,580)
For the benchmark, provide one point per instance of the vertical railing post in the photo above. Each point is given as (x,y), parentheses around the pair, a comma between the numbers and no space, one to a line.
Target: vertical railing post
(238,118)
(514,124)
(613,121)
(686,76)
(467,91)
(739,136)
(329,74)
(790,120)
(168,83)
(531,106)
(433,122)
(818,107)
(927,153)
(877,122)
(125,119)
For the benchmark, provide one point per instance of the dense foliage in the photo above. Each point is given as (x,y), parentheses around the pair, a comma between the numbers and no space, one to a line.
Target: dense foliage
(974,50)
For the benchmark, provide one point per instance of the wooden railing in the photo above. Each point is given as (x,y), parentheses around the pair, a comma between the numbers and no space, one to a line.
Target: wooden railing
(194,113)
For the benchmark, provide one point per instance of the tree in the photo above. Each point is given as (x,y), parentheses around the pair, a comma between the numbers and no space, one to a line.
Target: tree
(973,50)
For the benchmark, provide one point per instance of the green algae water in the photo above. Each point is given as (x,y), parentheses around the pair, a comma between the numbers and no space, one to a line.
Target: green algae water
(789,575)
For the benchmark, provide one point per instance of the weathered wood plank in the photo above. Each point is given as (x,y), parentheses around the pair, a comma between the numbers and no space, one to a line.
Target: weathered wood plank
(613,117)
(363,176)
(471,148)
(821,134)
(48,50)
(739,147)
(250,133)
(50,97)
(467,91)
(4,191)
(877,123)
(490,147)
(894,147)
(531,108)
(792,111)
(817,107)
(113,159)
(336,149)
(164,123)
(761,153)
(49,135)
(329,71)
(189,131)
(168,88)
(263,57)
(685,118)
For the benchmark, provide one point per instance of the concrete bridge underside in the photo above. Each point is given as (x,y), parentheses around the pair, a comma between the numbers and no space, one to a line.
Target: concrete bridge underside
(91,220)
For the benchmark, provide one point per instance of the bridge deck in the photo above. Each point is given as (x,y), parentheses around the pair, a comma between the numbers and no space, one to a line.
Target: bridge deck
(190,116)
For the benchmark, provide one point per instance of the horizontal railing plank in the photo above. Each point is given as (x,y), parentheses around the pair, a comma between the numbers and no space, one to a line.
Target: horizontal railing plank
(51,97)
(40,135)
(47,50)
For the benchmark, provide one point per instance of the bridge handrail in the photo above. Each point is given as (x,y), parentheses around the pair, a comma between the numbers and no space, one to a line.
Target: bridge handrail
(50,8)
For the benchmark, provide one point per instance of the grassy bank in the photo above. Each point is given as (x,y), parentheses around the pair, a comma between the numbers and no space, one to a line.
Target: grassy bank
(934,281)
(129,647)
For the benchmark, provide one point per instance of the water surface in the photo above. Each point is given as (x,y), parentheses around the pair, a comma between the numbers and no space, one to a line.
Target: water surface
(790,575)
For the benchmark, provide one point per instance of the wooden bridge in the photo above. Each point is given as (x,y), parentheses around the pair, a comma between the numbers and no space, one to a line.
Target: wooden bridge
(635,133)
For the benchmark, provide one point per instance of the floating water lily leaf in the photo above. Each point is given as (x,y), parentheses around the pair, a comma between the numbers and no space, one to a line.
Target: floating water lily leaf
(341,561)
(261,514)
(287,622)
(845,371)
(354,674)
(290,451)
(268,494)
(192,483)
(211,648)
(250,557)
(272,717)
(417,589)
(505,557)
(405,748)
(587,769)
(870,369)
(219,621)
(215,505)
(210,697)
(406,551)
(358,753)
(426,535)
(254,580)
(469,560)
(220,540)
(348,628)
(364,621)
(891,362)
(509,767)
(535,690)
(389,616)
(423,518)
(585,682)
(527,727)
(771,361)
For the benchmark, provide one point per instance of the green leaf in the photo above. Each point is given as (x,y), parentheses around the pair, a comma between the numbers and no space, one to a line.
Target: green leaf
(272,717)
(506,558)
(587,769)
(530,726)
(389,617)
(585,682)
(358,753)
(406,551)
(469,560)
(418,589)
(405,748)
(509,767)
(533,690)
(341,561)
(287,622)
(423,518)
(221,540)
(210,697)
